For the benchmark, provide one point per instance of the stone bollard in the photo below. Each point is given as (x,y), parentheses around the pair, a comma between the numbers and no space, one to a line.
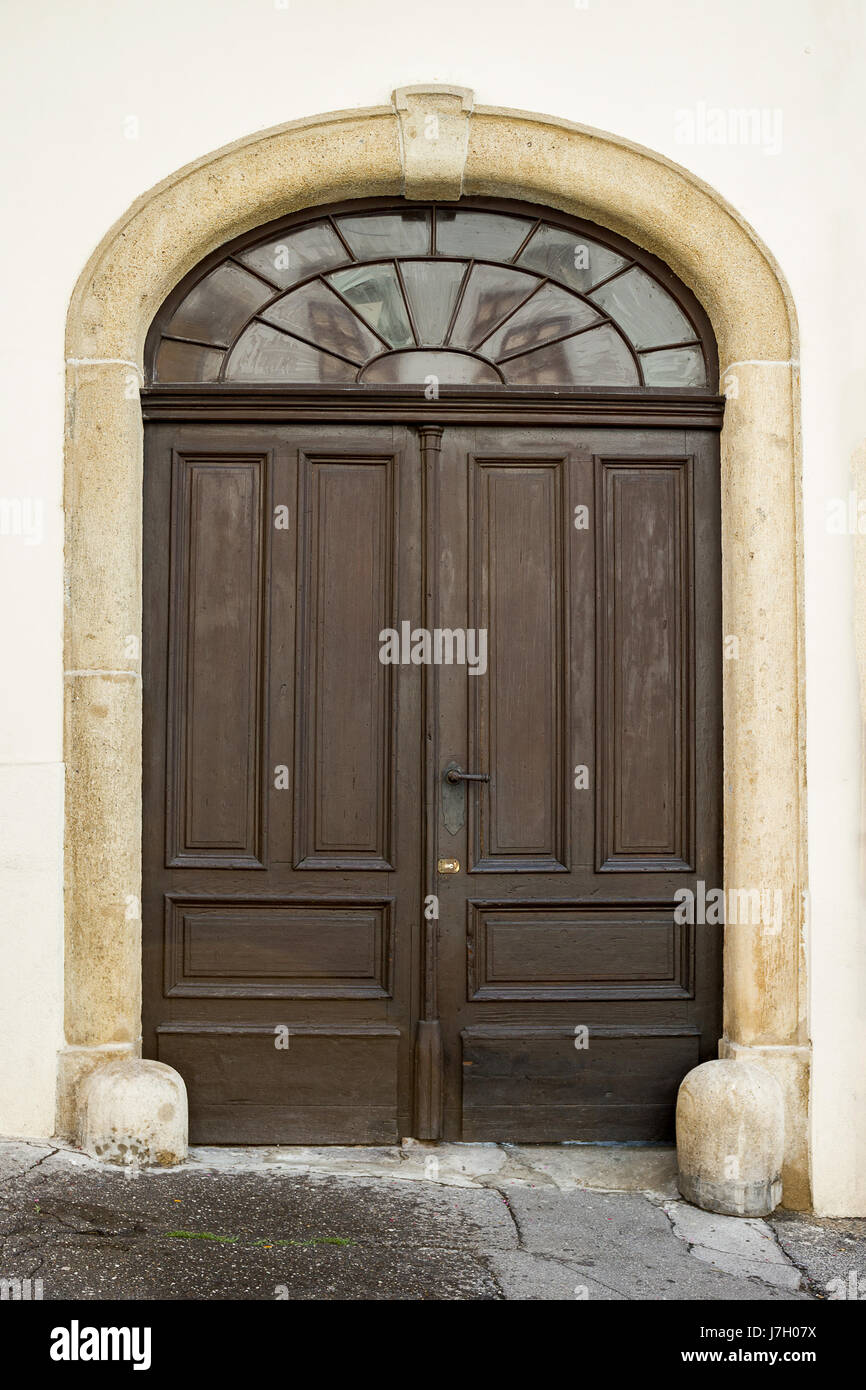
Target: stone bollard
(134,1112)
(730,1139)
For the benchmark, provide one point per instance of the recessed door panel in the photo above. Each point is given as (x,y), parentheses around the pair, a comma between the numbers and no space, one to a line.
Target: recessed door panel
(218,558)
(332,1085)
(519,713)
(346,709)
(526,1083)
(645,664)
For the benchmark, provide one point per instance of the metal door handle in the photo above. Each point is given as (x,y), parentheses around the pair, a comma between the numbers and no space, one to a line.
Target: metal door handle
(455,774)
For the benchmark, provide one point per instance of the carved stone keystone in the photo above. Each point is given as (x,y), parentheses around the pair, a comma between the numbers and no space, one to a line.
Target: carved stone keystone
(434,139)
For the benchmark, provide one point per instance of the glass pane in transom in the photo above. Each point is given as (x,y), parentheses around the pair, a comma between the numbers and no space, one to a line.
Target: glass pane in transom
(378,235)
(432,287)
(293,256)
(375,292)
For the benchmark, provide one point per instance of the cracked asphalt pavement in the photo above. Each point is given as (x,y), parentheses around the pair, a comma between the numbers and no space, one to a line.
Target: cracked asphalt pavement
(523,1228)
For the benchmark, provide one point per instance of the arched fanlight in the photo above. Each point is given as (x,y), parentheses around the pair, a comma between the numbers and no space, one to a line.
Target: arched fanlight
(392,296)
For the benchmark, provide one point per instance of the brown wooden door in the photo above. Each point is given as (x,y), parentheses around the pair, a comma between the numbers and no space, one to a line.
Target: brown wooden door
(296,809)
(572,1002)
(282,765)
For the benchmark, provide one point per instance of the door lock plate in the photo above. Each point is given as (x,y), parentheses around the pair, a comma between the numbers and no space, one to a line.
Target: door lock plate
(453,801)
(448,866)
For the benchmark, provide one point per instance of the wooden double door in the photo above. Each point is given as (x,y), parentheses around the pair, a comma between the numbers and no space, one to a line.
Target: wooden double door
(348,939)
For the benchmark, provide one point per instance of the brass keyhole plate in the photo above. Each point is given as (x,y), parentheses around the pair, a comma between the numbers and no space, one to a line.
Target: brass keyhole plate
(448,866)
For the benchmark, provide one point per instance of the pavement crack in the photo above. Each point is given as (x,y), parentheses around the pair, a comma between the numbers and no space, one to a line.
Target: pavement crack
(809,1285)
(23,1229)
(30,1168)
(44,1159)
(681,1240)
(494,1187)
(752,1259)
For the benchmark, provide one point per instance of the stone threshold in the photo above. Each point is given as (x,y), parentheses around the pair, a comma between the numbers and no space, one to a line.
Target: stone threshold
(569,1166)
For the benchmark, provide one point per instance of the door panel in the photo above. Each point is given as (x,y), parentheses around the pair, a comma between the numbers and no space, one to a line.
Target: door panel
(346,708)
(528,1084)
(572,1002)
(335,1084)
(295,804)
(281,925)
(646,736)
(219,543)
(519,593)
(559,951)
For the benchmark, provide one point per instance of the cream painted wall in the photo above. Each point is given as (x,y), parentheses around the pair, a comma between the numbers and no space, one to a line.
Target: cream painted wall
(186,77)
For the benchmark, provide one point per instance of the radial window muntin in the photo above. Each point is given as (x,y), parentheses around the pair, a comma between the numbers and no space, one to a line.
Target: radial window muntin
(606,358)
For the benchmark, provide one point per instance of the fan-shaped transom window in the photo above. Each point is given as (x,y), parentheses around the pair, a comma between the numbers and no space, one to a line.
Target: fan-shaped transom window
(397,296)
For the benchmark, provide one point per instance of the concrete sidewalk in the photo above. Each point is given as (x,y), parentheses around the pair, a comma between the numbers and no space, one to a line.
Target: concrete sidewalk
(440,1222)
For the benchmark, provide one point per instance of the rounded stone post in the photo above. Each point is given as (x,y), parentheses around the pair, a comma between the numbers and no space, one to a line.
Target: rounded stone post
(731,1139)
(134,1112)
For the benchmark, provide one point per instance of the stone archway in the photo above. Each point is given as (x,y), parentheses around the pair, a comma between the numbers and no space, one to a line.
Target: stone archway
(433,141)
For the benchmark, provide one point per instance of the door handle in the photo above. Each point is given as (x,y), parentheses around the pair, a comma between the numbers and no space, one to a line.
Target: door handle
(454,795)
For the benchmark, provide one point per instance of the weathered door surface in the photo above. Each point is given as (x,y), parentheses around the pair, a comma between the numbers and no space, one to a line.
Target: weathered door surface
(299,820)
(572,1002)
(282,772)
